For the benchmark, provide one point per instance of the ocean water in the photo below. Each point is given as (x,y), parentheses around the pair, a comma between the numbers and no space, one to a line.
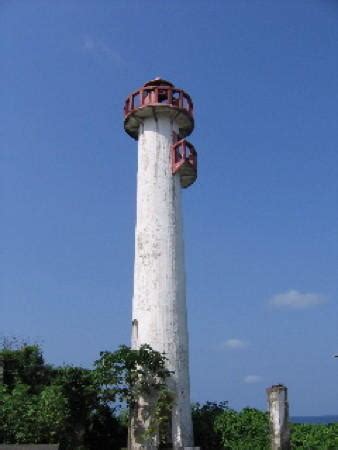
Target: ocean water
(314,419)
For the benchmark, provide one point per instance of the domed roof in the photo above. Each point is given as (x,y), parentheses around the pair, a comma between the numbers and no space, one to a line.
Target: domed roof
(158,81)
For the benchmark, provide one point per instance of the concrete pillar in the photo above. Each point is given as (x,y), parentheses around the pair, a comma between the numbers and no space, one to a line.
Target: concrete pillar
(279,417)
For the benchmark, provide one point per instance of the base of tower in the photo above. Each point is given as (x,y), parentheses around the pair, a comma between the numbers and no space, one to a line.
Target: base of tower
(151,448)
(190,448)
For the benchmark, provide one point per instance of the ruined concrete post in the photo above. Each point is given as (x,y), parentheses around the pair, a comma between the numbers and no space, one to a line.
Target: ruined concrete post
(279,417)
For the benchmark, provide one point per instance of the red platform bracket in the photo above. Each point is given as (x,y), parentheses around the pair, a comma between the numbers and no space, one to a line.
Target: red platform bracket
(184,162)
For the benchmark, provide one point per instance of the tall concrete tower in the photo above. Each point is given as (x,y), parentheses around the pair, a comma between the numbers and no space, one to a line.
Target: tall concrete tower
(159,116)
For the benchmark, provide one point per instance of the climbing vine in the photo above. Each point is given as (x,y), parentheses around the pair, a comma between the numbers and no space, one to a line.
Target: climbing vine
(128,375)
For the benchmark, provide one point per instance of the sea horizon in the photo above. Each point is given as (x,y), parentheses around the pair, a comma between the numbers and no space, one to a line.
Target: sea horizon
(324,419)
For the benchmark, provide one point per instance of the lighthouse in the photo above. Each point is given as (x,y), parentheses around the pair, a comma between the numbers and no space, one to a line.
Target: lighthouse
(160,116)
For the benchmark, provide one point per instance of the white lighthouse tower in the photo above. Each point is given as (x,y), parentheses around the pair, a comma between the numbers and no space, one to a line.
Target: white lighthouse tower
(159,116)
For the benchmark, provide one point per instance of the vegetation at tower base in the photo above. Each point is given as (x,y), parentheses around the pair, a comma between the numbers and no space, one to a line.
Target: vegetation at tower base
(247,429)
(310,436)
(128,375)
(217,427)
(204,417)
(81,408)
(44,404)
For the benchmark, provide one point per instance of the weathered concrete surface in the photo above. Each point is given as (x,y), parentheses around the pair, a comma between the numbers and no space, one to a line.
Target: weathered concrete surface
(190,448)
(179,448)
(159,305)
(279,417)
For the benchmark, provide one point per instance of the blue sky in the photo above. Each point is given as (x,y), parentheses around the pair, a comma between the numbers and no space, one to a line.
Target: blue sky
(260,223)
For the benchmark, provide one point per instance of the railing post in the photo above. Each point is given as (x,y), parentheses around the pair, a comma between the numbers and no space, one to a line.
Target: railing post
(170,96)
(180,101)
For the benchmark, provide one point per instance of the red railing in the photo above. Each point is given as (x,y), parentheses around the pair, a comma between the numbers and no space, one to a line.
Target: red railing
(158,95)
(183,152)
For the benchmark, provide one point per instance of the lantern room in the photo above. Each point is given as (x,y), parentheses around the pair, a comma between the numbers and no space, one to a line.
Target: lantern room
(158,95)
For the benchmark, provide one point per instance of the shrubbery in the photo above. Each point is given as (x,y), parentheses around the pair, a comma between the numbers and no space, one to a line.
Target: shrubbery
(76,407)
(247,429)
(44,404)
(40,403)
(217,427)
(313,436)
(204,418)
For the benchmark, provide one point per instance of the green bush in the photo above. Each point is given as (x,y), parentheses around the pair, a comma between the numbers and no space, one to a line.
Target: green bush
(314,437)
(32,418)
(40,403)
(78,407)
(247,429)
(204,416)
(44,404)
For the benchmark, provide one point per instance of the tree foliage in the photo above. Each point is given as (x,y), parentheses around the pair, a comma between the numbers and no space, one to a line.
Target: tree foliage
(128,375)
(78,407)
(25,365)
(247,429)
(32,418)
(204,417)
(81,408)
(44,404)
(314,436)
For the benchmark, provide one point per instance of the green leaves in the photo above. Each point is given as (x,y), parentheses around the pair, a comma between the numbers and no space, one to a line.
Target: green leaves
(25,366)
(32,418)
(52,411)
(75,406)
(204,417)
(43,404)
(127,375)
(247,429)
(313,436)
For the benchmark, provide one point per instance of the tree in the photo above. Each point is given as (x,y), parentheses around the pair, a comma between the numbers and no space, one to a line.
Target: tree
(25,365)
(44,404)
(78,407)
(126,376)
(32,418)
(314,436)
(247,429)
(78,386)
(31,409)
(204,417)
